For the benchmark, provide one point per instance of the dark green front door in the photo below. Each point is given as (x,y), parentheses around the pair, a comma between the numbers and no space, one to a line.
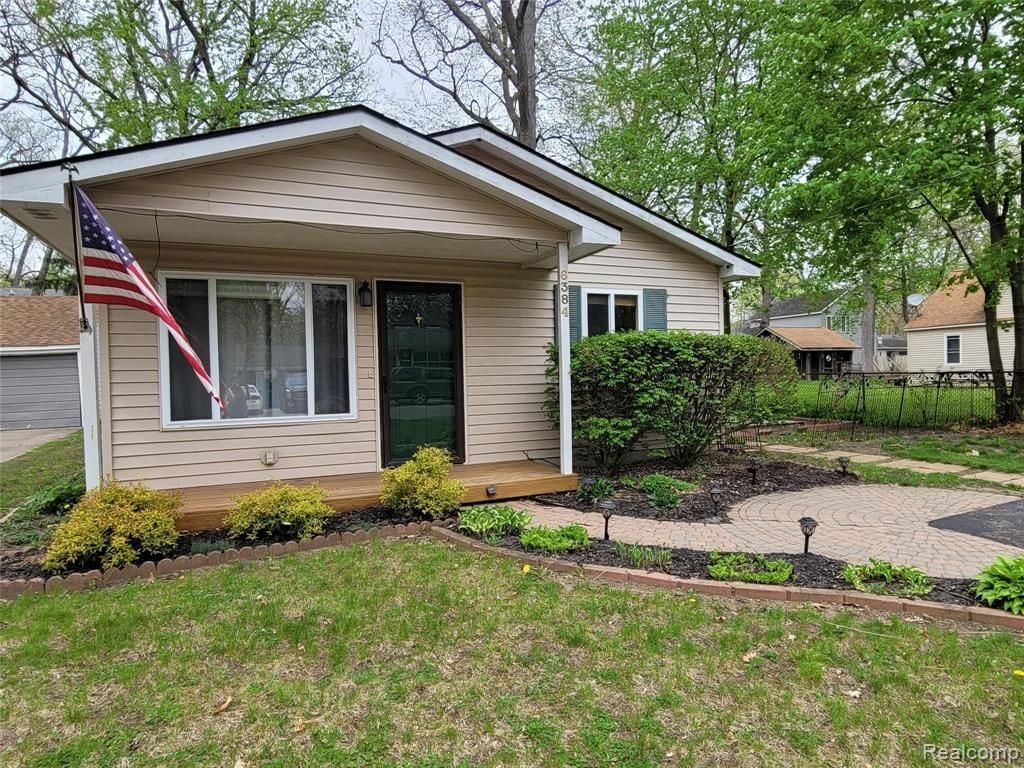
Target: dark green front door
(419,329)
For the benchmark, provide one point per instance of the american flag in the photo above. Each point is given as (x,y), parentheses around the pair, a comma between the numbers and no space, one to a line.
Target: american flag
(111,275)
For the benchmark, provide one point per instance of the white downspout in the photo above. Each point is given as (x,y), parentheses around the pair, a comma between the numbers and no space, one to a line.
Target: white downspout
(564,384)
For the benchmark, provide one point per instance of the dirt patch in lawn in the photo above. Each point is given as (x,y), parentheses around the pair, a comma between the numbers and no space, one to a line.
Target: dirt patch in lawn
(810,570)
(729,471)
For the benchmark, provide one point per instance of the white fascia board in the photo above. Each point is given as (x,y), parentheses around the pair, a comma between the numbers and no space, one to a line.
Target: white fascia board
(731,267)
(46,185)
(942,327)
(62,349)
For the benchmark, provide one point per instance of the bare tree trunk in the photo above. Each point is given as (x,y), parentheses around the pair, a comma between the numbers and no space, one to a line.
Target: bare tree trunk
(19,270)
(44,272)
(522,26)
(868,337)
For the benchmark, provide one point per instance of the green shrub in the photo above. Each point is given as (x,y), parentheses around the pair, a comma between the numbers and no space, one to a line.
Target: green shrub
(881,577)
(206,546)
(599,489)
(1001,585)
(114,526)
(58,498)
(687,387)
(278,510)
(755,569)
(493,521)
(555,540)
(663,490)
(422,485)
(644,557)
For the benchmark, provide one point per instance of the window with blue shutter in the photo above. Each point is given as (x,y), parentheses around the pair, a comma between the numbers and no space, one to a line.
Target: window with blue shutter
(655,309)
(575,325)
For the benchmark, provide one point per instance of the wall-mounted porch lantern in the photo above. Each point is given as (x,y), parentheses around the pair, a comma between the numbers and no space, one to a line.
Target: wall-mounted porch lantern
(365,295)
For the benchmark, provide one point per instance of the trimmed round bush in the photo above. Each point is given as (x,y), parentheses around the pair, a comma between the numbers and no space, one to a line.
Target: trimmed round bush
(422,485)
(115,525)
(279,510)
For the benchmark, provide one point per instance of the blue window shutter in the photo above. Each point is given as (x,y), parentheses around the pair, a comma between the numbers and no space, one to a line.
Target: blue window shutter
(655,309)
(575,325)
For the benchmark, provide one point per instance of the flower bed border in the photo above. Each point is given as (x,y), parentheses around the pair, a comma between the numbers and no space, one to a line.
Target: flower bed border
(73,582)
(851,598)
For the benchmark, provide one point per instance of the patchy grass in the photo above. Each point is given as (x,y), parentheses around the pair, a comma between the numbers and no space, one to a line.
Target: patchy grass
(412,653)
(24,476)
(883,475)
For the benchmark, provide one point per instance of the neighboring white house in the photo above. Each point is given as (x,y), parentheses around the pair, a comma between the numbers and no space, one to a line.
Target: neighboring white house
(39,362)
(948,333)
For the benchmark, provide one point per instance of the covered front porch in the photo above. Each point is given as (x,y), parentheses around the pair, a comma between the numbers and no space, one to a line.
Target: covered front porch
(204,507)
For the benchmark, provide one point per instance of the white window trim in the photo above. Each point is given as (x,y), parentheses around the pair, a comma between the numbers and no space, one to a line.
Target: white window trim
(217,422)
(610,293)
(945,348)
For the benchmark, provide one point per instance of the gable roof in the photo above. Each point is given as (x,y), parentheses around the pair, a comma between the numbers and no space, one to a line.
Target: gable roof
(732,265)
(34,194)
(949,306)
(808,339)
(38,321)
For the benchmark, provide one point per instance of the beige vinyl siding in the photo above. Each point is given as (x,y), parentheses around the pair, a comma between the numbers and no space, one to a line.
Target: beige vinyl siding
(640,261)
(345,183)
(508,320)
(926,349)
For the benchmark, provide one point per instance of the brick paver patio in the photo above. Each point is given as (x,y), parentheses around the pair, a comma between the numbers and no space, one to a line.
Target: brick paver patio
(854,523)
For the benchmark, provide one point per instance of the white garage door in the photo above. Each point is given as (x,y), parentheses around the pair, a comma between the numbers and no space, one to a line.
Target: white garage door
(39,391)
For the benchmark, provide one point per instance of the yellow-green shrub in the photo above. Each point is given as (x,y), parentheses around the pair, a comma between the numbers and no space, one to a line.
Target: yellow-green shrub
(114,525)
(278,509)
(422,484)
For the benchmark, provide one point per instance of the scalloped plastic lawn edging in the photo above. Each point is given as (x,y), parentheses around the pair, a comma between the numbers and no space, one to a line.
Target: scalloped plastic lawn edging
(12,588)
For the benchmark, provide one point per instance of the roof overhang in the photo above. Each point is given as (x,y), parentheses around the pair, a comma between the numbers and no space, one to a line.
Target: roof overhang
(731,265)
(34,195)
(56,349)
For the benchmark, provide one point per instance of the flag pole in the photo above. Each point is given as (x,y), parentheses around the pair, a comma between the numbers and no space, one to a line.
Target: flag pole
(77,246)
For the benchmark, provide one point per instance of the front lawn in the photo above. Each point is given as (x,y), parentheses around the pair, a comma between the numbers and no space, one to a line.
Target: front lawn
(412,653)
(32,473)
(979,451)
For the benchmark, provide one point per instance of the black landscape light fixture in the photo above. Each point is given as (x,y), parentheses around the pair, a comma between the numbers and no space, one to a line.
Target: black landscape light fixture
(844,464)
(807,526)
(607,507)
(716,496)
(365,295)
(756,462)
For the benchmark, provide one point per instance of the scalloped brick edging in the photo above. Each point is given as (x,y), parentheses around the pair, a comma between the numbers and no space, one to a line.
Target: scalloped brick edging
(73,582)
(987,616)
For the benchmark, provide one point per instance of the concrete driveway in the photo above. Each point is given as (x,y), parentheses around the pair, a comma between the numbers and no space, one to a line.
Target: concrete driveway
(14,442)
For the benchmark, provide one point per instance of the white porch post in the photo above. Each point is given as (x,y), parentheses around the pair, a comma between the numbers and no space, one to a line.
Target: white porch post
(564,384)
(89,390)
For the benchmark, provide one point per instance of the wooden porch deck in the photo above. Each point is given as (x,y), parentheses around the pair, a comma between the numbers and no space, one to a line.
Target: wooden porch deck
(204,507)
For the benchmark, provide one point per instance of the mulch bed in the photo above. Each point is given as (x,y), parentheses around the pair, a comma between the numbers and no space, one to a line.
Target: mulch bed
(810,570)
(726,469)
(23,562)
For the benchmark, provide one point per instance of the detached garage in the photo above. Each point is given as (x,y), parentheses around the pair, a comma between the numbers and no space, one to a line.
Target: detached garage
(39,362)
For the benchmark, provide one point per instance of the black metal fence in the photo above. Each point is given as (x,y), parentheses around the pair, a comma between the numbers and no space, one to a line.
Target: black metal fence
(886,403)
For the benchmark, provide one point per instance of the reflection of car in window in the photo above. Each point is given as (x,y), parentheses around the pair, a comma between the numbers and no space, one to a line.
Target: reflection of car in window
(253,399)
(420,384)
(294,393)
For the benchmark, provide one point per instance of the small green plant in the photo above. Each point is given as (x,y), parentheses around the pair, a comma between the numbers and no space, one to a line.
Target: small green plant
(493,521)
(555,540)
(663,490)
(206,546)
(644,557)
(600,489)
(422,485)
(881,577)
(1001,585)
(113,526)
(58,498)
(279,509)
(755,569)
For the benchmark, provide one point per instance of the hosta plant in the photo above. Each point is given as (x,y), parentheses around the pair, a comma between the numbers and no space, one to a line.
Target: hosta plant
(1001,585)
(881,577)
(493,521)
(555,540)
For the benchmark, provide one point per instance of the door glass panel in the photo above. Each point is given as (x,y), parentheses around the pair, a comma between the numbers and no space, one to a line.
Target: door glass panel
(421,337)
(597,313)
(625,313)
